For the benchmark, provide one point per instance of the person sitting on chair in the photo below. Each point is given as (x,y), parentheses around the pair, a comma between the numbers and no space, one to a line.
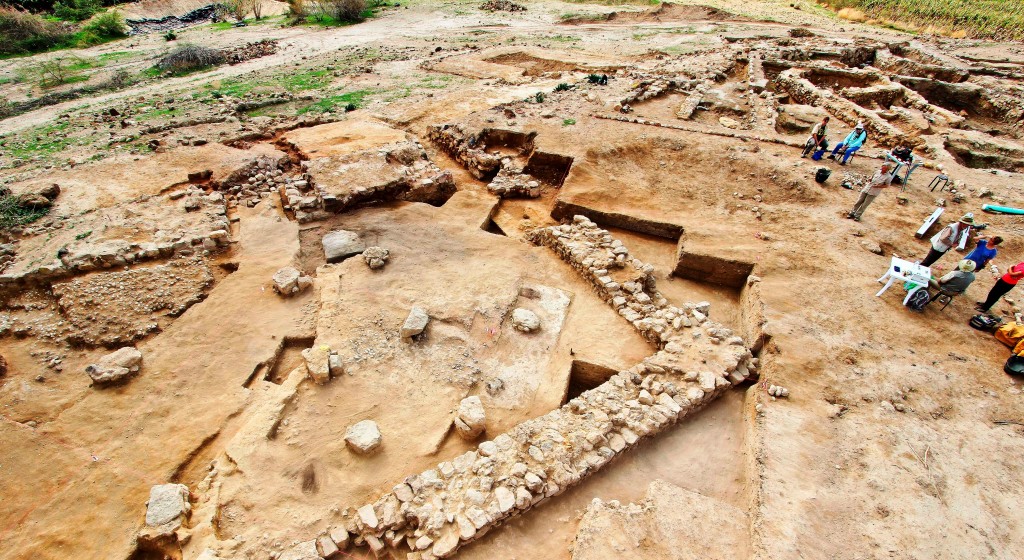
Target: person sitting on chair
(818,134)
(850,144)
(957,281)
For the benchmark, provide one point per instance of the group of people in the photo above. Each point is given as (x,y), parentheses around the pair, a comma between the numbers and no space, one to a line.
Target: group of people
(817,142)
(955,282)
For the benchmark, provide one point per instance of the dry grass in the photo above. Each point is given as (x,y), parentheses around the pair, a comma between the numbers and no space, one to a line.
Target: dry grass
(992,19)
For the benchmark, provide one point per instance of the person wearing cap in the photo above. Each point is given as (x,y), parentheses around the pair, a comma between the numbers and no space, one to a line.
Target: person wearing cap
(947,238)
(850,144)
(818,134)
(1001,287)
(880,180)
(985,251)
(957,281)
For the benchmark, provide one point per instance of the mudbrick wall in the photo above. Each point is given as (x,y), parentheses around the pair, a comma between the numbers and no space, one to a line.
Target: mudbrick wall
(432,514)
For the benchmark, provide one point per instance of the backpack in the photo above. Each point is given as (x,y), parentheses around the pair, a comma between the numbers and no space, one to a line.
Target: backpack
(918,300)
(984,322)
(822,175)
(1014,366)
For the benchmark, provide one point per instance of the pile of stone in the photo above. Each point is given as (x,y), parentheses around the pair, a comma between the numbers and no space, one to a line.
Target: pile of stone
(624,281)
(260,180)
(376,257)
(249,51)
(322,363)
(397,172)
(168,23)
(649,89)
(201,226)
(465,148)
(289,281)
(115,367)
(502,6)
(512,182)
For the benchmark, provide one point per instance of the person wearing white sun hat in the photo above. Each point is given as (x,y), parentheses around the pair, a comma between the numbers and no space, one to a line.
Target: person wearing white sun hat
(850,144)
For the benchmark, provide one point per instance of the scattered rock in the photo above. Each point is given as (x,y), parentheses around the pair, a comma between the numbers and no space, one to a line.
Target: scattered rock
(525,320)
(728,122)
(470,418)
(115,367)
(363,437)
(778,391)
(376,257)
(872,246)
(415,323)
(341,244)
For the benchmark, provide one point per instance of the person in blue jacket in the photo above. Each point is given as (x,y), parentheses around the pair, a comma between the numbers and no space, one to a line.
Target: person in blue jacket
(851,144)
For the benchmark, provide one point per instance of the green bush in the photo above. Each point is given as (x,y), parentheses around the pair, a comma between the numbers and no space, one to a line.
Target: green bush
(106,26)
(22,32)
(76,10)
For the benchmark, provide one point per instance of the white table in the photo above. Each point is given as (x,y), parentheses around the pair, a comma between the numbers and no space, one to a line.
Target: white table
(905,271)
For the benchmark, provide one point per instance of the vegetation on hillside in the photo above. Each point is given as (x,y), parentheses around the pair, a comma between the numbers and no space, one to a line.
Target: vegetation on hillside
(22,32)
(992,19)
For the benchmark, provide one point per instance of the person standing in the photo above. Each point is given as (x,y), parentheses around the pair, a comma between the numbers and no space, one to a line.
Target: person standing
(985,251)
(850,144)
(947,238)
(1001,287)
(880,180)
(818,134)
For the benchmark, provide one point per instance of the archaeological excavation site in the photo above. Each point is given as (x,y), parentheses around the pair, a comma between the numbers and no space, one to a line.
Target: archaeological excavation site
(502,281)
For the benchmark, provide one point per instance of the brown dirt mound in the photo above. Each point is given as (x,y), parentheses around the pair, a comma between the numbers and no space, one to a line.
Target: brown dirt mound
(663,13)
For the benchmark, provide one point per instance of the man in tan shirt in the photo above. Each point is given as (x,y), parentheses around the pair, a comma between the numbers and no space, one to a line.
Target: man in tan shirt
(880,180)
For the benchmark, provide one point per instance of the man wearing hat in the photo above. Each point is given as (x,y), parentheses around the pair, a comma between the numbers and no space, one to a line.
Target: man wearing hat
(879,181)
(947,238)
(851,144)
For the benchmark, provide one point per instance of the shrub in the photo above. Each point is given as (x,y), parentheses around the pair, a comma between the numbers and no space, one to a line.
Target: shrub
(170,36)
(339,10)
(22,32)
(106,26)
(190,57)
(563,87)
(76,10)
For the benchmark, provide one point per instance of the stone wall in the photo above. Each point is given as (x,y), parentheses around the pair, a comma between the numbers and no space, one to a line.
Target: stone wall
(431,514)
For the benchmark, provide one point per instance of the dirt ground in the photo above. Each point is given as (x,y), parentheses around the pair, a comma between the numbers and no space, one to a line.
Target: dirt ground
(180,198)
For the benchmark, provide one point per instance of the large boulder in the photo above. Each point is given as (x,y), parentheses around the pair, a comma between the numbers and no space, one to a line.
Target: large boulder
(525,320)
(470,419)
(168,506)
(289,281)
(376,257)
(318,363)
(794,119)
(115,367)
(415,323)
(341,244)
(363,437)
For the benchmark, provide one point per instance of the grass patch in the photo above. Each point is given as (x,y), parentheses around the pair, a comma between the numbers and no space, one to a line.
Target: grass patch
(40,141)
(114,56)
(347,101)
(12,214)
(992,19)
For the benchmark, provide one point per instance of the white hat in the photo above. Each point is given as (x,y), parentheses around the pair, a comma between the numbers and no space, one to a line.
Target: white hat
(859,125)
(967,265)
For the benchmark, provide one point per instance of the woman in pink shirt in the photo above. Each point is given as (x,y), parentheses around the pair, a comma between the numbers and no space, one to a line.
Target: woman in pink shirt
(1003,285)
